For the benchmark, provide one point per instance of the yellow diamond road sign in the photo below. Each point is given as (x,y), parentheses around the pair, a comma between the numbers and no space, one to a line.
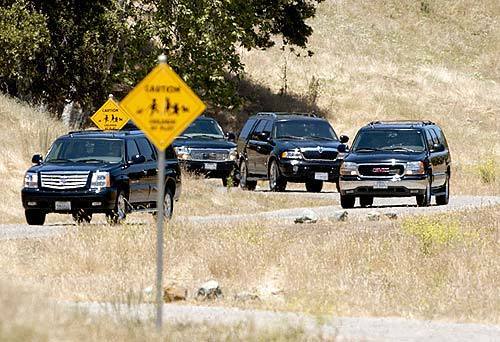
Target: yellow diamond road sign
(110,116)
(162,105)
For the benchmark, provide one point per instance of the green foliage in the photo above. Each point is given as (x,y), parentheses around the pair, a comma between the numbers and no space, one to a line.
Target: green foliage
(487,171)
(432,232)
(82,50)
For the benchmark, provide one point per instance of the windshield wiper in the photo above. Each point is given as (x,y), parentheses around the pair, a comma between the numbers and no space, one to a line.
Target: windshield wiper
(92,160)
(211,136)
(367,149)
(290,137)
(59,160)
(394,148)
(314,137)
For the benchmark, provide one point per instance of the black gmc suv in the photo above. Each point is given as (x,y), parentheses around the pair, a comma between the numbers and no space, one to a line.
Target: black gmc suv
(396,158)
(288,147)
(203,148)
(91,172)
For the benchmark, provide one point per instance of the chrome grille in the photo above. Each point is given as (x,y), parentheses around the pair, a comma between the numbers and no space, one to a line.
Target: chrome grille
(206,154)
(319,153)
(381,170)
(63,180)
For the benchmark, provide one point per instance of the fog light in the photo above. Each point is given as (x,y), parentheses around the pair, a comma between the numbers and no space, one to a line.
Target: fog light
(414,191)
(295,169)
(96,204)
(349,191)
(31,204)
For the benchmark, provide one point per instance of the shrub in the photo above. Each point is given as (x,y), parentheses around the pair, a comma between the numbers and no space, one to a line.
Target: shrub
(487,170)
(432,232)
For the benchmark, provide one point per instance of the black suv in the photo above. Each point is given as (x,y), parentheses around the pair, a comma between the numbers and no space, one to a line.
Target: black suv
(396,158)
(91,172)
(204,148)
(288,147)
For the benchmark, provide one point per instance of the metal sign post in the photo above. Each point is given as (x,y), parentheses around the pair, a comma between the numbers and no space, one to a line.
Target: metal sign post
(159,237)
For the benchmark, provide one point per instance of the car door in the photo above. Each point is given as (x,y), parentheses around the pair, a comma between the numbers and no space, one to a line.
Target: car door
(137,184)
(438,161)
(254,147)
(263,150)
(149,168)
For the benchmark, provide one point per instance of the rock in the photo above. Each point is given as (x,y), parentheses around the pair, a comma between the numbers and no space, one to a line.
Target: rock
(340,215)
(148,290)
(174,293)
(209,290)
(373,216)
(246,296)
(391,215)
(307,216)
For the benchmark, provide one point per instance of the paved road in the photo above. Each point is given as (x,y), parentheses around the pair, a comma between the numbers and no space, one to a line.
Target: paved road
(339,328)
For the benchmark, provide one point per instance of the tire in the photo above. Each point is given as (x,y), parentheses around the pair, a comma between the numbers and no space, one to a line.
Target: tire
(347,202)
(366,201)
(276,181)
(444,199)
(425,199)
(245,184)
(314,186)
(118,215)
(168,204)
(82,216)
(35,217)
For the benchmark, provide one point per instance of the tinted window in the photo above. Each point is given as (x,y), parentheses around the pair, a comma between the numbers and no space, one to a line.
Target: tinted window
(440,136)
(247,128)
(268,127)
(145,149)
(313,129)
(170,153)
(429,140)
(132,149)
(259,128)
(400,139)
(204,127)
(433,136)
(88,150)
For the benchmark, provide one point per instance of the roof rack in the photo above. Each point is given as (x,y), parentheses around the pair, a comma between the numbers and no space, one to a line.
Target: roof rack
(275,114)
(402,122)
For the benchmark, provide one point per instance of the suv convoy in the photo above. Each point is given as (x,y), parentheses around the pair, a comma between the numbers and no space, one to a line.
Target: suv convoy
(288,147)
(92,172)
(396,158)
(204,148)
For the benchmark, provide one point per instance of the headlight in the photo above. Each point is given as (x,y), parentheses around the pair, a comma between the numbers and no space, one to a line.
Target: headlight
(100,179)
(183,152)
(295,154)
(31,180)
(349,169)
(415,168)
(233,154)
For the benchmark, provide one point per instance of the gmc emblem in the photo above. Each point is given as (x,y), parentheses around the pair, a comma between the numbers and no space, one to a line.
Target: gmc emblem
(380,169)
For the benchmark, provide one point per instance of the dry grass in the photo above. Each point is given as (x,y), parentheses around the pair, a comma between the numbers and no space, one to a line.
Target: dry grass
(445,267)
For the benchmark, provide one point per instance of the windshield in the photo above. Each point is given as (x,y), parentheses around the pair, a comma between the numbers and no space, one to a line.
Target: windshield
(203,128)
(389,140)
(86,151)
(302,129)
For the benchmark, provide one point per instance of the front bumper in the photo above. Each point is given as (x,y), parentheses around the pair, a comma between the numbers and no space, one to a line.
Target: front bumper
(297,170)
(395,187)
(222,168)
(82,199)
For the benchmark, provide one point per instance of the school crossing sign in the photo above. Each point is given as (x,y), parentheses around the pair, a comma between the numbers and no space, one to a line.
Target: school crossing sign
(110,116)
(162,105)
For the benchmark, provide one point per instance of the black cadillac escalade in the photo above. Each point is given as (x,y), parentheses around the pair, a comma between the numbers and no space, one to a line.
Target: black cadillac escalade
(396,159)
(92,172)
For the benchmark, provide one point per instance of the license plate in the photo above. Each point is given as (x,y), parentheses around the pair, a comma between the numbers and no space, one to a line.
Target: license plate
(210,166)
(380,185)
(321,176)
(63,205)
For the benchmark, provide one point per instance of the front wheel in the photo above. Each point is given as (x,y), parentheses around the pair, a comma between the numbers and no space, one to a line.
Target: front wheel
(245,184)
(276,181)
(347,202)
(424,200)
(314,186)
(118,215)
(445,198)
(34,217)
(168,204)
(366,201)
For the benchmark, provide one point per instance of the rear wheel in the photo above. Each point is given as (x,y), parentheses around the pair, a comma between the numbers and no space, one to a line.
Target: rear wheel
(276,181)
(82,216)
(34,217)
(118,214)
(168,204)
(347,202)
(366,201)
(445,198)
(314,186)
(424,200)
(245,184)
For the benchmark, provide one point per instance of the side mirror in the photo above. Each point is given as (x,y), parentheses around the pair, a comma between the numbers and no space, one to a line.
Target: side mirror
(342,148)
(264,136)
(138,159)
(344,139)
(37,159)
(437,148)
(230,136)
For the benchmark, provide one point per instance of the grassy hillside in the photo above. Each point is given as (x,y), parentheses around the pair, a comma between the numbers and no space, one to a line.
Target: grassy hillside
(400,59)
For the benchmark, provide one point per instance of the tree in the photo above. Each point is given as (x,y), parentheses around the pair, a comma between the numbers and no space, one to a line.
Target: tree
(82,49)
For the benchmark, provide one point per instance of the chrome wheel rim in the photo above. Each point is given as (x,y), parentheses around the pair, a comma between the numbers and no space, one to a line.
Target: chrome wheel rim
(273,176)
(243,172)
(121,207)
(167,206)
